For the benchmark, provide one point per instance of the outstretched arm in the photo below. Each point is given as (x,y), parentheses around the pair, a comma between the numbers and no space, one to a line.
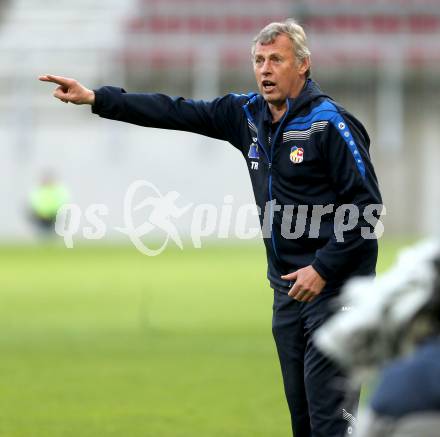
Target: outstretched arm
(70,90)
(222,118)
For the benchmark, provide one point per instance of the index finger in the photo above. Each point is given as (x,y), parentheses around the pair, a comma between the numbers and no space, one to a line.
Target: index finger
(60,80)
(290,276)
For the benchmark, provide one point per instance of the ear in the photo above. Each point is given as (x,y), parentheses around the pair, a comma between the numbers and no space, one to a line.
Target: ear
(304,66)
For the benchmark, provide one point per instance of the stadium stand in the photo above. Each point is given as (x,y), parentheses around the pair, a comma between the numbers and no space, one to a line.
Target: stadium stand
(226,25)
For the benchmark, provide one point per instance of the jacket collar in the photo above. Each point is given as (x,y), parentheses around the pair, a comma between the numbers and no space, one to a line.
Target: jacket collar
(258,107)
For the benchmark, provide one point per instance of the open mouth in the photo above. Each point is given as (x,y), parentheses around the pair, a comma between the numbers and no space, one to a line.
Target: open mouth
(268,85)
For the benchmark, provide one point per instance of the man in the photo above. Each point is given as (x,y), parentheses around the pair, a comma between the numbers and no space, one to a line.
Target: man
(45,200)
(302,149)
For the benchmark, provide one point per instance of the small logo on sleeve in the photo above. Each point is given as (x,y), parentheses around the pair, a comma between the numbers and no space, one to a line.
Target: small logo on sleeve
(296,154)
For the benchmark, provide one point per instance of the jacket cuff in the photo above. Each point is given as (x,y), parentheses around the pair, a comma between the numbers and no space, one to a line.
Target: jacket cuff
(96,107)
(108,102)
(323,271)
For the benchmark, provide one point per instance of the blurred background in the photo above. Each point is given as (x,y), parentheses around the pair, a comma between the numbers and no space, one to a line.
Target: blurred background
(105,341)
(381,59)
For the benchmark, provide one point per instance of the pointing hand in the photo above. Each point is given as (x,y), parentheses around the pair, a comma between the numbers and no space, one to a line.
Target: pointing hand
(70,90)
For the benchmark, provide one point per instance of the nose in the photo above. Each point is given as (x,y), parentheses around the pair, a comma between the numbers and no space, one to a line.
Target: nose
(266,68)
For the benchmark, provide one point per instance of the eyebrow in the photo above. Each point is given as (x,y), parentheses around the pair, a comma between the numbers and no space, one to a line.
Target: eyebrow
(276,54)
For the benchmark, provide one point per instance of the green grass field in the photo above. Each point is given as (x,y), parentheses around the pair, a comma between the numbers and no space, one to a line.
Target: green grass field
(103,341)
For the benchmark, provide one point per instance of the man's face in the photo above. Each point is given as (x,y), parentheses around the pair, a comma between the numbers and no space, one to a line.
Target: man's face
(278,73)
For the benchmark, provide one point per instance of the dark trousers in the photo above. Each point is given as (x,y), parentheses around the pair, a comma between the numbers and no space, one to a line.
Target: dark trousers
(320,401)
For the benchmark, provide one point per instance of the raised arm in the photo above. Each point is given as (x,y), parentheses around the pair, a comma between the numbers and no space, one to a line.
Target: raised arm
(222,118)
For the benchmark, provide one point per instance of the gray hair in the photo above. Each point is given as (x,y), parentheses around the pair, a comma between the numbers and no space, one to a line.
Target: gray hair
(293,31)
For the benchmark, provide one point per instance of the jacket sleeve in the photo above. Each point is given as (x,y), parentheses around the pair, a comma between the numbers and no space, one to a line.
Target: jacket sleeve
(345,150)
(220,118)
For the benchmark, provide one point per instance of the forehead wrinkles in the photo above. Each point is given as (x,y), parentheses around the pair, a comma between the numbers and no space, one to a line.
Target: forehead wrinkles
(281,45)
(268,53)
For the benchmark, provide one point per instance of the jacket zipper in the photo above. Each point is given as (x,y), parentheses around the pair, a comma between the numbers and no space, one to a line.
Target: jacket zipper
(269,160)
(272,146)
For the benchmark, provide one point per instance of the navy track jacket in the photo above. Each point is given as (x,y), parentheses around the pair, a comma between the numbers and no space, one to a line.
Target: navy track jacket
(318,154)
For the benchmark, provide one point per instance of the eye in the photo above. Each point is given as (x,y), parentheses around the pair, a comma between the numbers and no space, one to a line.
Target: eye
(259,61)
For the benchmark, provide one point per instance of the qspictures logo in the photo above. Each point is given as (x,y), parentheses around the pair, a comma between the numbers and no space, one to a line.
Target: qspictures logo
(150,220)
(164,211)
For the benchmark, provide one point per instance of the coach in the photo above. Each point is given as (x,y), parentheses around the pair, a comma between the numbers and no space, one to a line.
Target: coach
(305,154)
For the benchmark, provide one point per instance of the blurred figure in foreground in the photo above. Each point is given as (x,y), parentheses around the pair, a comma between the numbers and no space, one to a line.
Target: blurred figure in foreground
(45,201)
(393,324)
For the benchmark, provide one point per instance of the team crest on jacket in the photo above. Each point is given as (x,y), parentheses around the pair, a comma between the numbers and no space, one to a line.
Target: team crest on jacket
(296,154)
(253,151)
